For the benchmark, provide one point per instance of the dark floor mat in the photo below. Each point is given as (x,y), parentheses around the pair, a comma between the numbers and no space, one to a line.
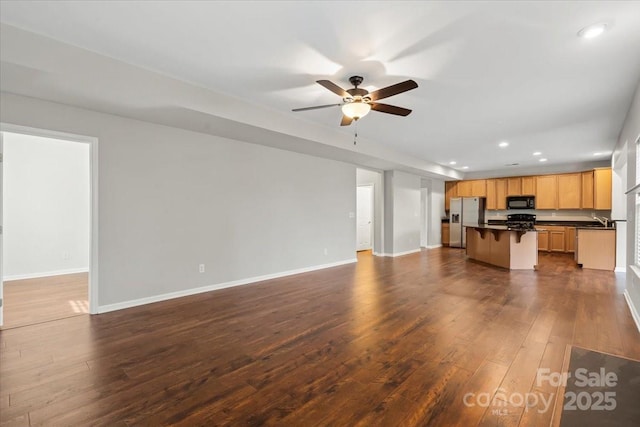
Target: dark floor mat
(602,390)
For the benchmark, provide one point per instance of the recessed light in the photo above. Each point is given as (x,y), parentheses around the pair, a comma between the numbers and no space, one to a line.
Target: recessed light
(452,163)
(465,167)
(592,31)
(543,160)
(537,153)
(503,144)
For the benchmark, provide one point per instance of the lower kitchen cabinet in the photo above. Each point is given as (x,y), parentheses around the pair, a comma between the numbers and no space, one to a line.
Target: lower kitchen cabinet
(445,234)
(543,239)
(556,238)
(557,241)
(570,239)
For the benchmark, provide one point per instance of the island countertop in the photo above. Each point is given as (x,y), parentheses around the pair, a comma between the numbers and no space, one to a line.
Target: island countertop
(497,227)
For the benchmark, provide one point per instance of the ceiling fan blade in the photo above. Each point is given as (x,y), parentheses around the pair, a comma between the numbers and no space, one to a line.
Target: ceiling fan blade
(346,121)
(315,108)
(388,91)
(333,88)
(391,109)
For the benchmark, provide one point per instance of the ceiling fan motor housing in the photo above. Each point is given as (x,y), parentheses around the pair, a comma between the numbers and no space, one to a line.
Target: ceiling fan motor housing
(356,80)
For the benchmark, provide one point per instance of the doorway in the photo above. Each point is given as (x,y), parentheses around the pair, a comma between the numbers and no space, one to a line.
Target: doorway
(364,217)
(49,227)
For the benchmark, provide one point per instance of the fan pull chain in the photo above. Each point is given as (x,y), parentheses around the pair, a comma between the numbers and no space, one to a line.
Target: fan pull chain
(355,136)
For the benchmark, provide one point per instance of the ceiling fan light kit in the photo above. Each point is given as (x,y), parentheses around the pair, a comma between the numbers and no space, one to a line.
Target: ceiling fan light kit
(357,102)
(356,109)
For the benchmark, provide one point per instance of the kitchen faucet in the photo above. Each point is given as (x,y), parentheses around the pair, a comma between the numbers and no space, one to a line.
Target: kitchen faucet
(604,221)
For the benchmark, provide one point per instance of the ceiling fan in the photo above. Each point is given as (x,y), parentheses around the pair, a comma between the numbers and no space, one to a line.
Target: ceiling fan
(357,102)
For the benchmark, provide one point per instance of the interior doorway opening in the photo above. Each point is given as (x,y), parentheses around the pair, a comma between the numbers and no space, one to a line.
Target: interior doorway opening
(48,226)
(369,211)
(364,218)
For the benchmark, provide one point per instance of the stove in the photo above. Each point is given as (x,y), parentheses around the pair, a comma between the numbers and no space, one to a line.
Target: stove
(521,221)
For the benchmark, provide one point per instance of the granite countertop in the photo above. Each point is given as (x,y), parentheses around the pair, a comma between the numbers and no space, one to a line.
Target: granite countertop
(601,228)
(495,227)
(577,224)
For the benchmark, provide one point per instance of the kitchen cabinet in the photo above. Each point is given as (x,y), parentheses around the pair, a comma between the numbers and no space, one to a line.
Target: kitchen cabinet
(557,240)
(569,190)
(496,194)
(449,192)
(580,190)
(514,186)
(528,185)
(551,238)
(491,195)
(602,188)
(479,188)
(501,193)
(543,239)
(445,234)
(464,189)
(570,239)
(587,190)
(547,192)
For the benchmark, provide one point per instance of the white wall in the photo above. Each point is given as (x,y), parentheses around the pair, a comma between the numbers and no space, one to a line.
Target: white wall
(369,177)
(46,206)
(402,212)
(171,199)
(435,210)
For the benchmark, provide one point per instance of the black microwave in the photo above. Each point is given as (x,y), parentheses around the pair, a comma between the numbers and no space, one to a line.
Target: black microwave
(521,202)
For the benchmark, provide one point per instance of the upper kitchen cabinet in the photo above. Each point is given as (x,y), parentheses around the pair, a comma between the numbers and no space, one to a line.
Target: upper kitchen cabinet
(587,190)
(580,190)
(514,186)
(463,189)
(491,195)
(479,188)
(602,188)
(496,194)
(547,192)
(472,188)
(569,191)
(450,190)
(528,185)
(501,193)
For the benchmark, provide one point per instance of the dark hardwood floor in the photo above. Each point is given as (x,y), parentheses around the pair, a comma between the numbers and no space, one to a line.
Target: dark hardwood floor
(43,299)
(389,341)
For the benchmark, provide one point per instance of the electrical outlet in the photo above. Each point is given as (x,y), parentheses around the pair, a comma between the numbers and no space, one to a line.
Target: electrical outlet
(201,268)
(65,255)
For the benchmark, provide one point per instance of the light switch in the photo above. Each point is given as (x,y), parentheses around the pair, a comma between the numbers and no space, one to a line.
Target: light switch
(352,215)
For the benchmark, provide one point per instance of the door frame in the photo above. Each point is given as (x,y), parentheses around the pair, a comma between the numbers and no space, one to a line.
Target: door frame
(93,197)
(372,211)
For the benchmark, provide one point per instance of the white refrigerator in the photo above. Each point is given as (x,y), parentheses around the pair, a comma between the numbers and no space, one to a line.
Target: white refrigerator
(463,212)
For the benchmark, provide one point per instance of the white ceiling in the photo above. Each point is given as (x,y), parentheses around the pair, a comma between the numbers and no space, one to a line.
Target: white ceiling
(487,71)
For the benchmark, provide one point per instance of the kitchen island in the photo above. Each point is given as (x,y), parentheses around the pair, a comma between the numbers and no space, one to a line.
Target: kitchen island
(503,247)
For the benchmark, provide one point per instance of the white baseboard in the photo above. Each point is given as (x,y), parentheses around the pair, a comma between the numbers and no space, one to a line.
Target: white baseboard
(620,270)
(634,312)
(44,274)
(433,246)
(209,288)
(413,251)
